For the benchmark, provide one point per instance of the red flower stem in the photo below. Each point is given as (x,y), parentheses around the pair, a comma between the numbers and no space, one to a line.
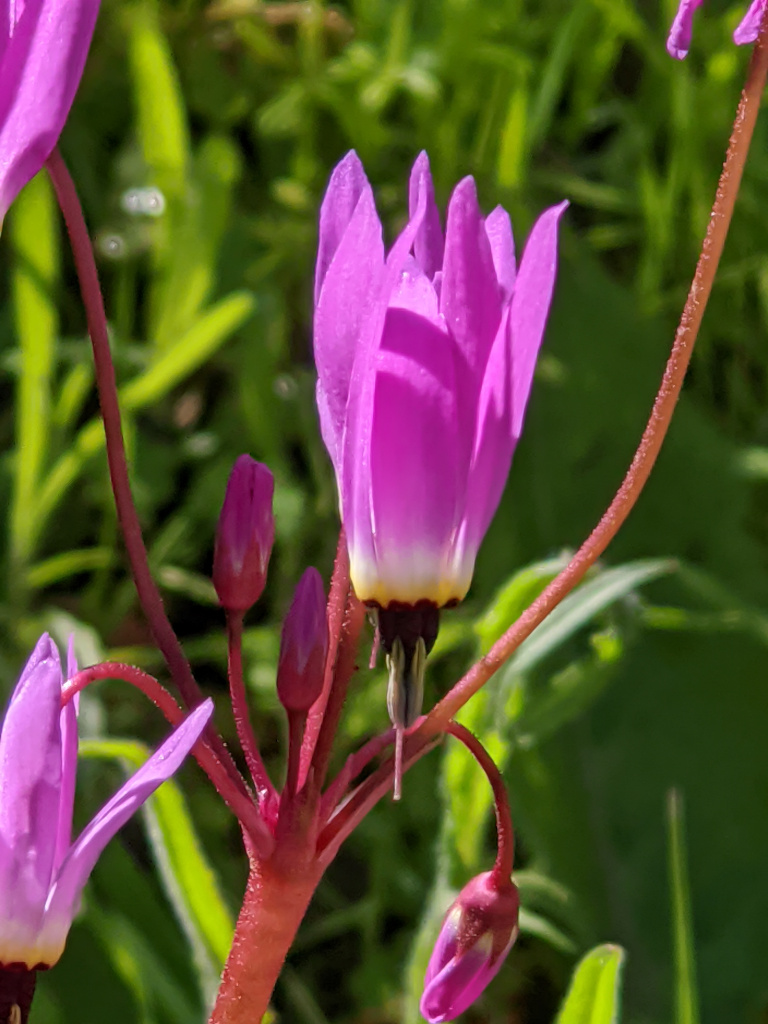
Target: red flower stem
(663,406)
(352,768)
(369,792)
(245,732)
(337,602)
(296,726)
(343,671)
(275,900)
(505,832)
(149,595)
(243,808)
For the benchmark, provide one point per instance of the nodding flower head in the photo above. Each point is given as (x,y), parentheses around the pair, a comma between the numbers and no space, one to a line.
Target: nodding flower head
(42,872)
(679,38)
(244,536)
(43,46)
(425,359)
(478,931)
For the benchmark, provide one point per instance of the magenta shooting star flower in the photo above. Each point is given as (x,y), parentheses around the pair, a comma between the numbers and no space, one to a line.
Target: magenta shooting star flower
(43,47)
(425,360)
(478,931)
(42,872)
(679,38)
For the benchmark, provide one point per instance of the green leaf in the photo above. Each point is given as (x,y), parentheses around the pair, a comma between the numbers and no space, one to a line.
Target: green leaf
(594,993)
(34,235)
(514,597)
(188,879)
(576,610)
(162,123)
(686,997)
(190,351)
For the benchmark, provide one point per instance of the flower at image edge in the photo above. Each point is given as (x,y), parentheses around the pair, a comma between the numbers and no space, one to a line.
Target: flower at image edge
(42,872)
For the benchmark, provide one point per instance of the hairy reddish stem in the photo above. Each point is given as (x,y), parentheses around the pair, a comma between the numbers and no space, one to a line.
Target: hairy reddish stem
(276,898)
(149,595)
(248,742)
(337,603)
(663,406)
(344,669)
(505,832)
(369,792)
(240,805)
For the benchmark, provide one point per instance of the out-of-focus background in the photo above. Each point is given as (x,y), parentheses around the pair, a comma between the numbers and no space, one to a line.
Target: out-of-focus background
(201,141)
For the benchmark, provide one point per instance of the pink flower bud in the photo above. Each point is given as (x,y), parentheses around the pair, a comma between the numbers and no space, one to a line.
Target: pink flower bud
(303,645)
(478,931)
(244,535)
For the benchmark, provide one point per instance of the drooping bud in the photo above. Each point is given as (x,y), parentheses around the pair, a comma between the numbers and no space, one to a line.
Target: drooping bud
(244,535)
(303,645)
(478,931)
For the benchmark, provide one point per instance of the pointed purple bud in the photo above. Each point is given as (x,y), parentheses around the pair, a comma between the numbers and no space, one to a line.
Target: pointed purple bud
(478,931)
(303,645)
(244,535)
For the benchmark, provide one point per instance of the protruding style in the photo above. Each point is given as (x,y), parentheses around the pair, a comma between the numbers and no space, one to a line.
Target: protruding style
(244,536)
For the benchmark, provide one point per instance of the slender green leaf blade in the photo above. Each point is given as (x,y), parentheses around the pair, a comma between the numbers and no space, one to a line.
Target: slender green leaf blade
(686,997)
(34,235)
(595,990)
(188,879)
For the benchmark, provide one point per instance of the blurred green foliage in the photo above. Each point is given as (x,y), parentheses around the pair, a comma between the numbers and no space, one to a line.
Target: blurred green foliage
(201,141)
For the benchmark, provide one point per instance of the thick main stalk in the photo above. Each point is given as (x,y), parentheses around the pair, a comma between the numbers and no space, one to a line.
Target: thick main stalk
(276,898)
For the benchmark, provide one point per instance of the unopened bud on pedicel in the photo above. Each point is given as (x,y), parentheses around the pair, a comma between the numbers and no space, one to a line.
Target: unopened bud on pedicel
(478,931)
(244,535)
(303,645)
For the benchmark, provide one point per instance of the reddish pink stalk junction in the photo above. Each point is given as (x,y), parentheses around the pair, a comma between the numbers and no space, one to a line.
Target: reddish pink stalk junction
(425,358)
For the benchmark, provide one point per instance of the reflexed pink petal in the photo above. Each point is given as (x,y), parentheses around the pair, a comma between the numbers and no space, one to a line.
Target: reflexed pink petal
(68,723)
(428,245)
(39,75)
(494,443)
(530,307)
(415,482)
(355,476)
(349,292)
(347,183)
(31,777)
(748,28)
(498,227)
(83,855)
(469,298)
(679,38)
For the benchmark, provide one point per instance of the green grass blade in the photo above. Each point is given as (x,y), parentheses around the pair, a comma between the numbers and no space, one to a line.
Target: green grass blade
(595,990)
(35,240)
(187,877)
(686,997)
